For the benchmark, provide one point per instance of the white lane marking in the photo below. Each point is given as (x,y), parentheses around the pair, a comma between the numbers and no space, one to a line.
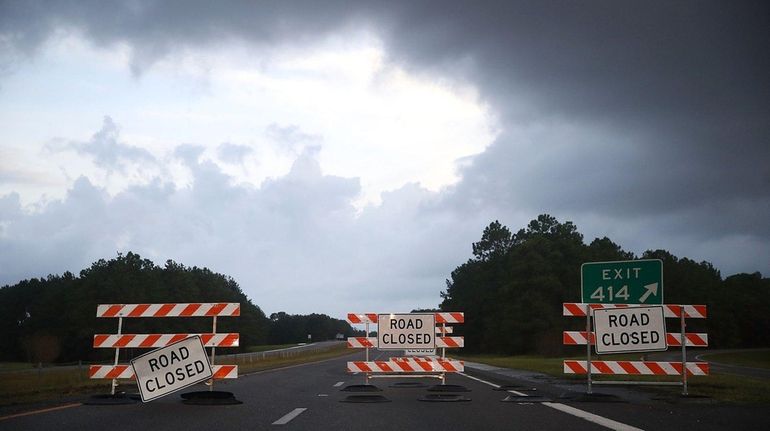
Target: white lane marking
(600,420)
(338,384)
(289,416)
(521,394)
(323,395)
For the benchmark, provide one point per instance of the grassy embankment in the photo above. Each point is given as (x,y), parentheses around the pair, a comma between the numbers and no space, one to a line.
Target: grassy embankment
(22,383)
(721,387)
(747,358)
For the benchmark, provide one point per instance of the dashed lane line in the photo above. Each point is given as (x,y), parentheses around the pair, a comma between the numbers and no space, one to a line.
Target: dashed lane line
(590,417)
(289,416)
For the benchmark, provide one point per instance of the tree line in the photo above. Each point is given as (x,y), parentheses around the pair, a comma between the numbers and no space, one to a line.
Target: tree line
(513,287)
(53,319)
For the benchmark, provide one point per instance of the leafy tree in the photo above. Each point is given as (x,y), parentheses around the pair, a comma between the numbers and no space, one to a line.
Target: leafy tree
(55,318)
(513,288)
(495,241)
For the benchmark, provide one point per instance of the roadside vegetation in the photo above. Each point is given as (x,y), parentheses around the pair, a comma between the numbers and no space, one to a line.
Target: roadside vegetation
(19,385)
(716,386)
(513,287)
(759,358)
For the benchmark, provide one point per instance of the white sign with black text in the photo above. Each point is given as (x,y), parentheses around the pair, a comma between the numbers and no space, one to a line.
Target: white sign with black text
(406,331)
(633,329)
(171,368)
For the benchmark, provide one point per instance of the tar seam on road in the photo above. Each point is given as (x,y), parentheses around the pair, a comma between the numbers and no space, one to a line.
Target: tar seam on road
(289,416)
(599,420)
(34,412)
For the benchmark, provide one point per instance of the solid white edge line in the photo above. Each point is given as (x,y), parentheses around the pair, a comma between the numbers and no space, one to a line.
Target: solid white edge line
(289,416)
(599,420)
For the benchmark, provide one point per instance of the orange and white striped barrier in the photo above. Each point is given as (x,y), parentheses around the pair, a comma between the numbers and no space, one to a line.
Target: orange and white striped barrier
(423,366)
(126,372)
(587,338)
(198,309)
(141,341)
(362,318)
(407,365)
(636,368)
(230,309)
(579,338)
(454,317)
(443,317)
(371,342)
(578,309)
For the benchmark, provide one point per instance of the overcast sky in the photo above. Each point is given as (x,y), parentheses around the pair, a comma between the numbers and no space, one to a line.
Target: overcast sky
(340,157)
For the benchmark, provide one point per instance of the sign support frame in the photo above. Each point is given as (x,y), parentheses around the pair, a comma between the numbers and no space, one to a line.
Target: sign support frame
(117,354)
(439,365)
(590,381)
(588,347)
(684,350)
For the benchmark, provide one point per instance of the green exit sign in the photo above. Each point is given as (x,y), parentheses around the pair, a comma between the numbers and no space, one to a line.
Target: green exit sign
(626,282)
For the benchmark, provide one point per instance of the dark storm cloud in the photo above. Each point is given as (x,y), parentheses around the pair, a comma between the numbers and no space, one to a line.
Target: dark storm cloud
(616,114)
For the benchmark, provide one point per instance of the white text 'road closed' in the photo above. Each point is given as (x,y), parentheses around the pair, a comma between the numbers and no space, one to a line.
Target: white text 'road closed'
(171,368)
(406,331)
(633,329)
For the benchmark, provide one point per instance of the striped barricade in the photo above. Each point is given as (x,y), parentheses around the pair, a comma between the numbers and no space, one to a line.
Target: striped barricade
(143,341)
(231,309)
(646,368)
(442,317)
(356,318)
(371,342)
(577,309)
(425,366)
(407,365)
(579,338)
(126,372)
(120,340)
(681,339)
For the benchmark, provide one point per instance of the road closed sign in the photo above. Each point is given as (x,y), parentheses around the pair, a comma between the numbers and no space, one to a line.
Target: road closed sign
(633,329)
(171,368)
(406,331)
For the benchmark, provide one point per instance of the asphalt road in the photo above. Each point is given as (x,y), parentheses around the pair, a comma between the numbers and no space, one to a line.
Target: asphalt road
(308,397)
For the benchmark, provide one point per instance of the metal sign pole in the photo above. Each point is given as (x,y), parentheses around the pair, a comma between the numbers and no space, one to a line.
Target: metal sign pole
(684,350)
(366,375)
(117,353)
(588,346)
(213,354)
(443,352)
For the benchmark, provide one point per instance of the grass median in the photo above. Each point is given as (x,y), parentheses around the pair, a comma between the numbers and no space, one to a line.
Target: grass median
(718,386)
